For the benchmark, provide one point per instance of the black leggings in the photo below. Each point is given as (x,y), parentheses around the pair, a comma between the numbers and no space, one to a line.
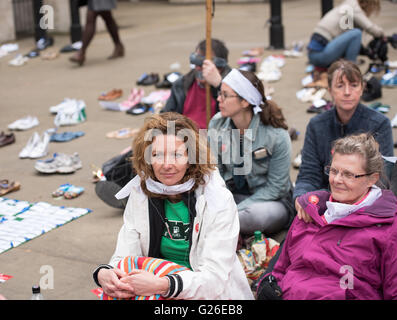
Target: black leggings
(90,27)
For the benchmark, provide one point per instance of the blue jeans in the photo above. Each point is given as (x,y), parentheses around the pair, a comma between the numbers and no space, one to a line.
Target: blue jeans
(347,45)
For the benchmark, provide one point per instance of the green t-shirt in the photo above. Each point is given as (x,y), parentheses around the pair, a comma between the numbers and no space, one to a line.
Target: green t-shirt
(175,243)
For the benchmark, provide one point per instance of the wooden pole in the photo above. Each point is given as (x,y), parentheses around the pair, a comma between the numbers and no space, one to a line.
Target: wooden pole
(208,54)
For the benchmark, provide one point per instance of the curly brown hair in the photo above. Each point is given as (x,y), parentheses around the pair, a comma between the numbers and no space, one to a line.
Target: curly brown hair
(200,159)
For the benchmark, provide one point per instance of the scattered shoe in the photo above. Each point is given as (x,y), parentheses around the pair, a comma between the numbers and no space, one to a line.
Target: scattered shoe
(59,192)
(66,136)
(296,50)
(111,95)
(389,79)
(41,148)
(32,142)
(7,138)
(65,104)
(255,52)
(49,54)
(394,122)
(10,47)
(134,98)
(97,174)
(6,186)
(25,123)
(269,69)
(18,61)
(139,109)
(59,163)
(248,67)
(297,161)
(33,54)
(72,114)
(380,107)
(322,82)
(75,46)
(73,192)
(169,79)
(124,133)
(44,43)
(36,147)
(320,106)
(156,96)
(148,79)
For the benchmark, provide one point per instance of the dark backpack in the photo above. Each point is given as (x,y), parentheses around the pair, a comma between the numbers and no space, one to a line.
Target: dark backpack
(119,169)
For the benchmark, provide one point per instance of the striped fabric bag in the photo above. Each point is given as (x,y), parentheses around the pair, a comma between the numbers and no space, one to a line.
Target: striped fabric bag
(157,266)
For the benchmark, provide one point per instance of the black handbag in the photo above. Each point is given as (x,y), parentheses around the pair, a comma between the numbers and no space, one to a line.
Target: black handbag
(119,169)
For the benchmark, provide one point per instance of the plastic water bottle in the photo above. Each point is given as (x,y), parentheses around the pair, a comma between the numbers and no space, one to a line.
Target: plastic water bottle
(36,294)
(257,237)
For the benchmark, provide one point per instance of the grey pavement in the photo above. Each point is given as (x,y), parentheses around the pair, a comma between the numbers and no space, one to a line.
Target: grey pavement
(156,35)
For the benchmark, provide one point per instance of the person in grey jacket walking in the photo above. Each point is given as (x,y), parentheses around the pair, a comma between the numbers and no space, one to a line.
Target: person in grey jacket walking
(250,140)
(348,116)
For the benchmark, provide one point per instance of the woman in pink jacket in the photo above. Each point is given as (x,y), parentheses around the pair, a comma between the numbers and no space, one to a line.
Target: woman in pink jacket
(349,250)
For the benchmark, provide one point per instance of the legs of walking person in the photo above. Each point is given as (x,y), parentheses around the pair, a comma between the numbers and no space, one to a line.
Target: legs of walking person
(112,28)
(88,34)
(347,45)
(269,217)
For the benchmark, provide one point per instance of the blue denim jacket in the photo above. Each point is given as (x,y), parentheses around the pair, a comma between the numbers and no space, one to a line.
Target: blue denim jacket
(325,128)
(267,157)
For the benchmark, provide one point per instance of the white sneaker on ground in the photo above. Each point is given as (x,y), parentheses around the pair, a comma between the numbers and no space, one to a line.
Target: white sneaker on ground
(394,122)
(73,114)
(64,104)
(32,142)
(18,61)
(25,123)
(59,163)
(41,148)
(297,161)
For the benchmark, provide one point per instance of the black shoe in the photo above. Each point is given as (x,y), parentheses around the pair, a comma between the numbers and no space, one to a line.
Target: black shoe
(169,79)
(139,108)
(148,79)
(33,54)
(44,43)
(248,67)
(76,46)
(106,191)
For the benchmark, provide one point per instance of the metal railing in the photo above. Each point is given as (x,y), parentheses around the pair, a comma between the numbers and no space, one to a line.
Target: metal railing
(23,18)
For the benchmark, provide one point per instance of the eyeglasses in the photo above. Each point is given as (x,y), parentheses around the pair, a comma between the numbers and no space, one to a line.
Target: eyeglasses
(347,175)
(224,95)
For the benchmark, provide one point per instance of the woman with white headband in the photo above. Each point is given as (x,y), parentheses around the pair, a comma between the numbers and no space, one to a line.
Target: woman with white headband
(181,224)
(250,139)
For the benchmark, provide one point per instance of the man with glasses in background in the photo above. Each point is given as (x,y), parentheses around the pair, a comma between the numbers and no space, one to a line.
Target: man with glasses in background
(188,95)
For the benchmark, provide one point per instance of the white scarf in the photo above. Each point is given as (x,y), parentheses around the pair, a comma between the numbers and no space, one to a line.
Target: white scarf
(337,210)
(214,186)
(244,88)
(160,188)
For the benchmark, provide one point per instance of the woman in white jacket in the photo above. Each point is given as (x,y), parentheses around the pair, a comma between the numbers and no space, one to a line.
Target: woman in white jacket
(180,210)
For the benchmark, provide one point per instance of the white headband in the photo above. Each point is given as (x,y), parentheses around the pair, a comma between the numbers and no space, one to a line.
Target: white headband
(244,89)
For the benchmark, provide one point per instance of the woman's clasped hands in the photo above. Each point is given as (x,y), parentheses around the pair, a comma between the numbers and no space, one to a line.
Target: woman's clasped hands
(118,284)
